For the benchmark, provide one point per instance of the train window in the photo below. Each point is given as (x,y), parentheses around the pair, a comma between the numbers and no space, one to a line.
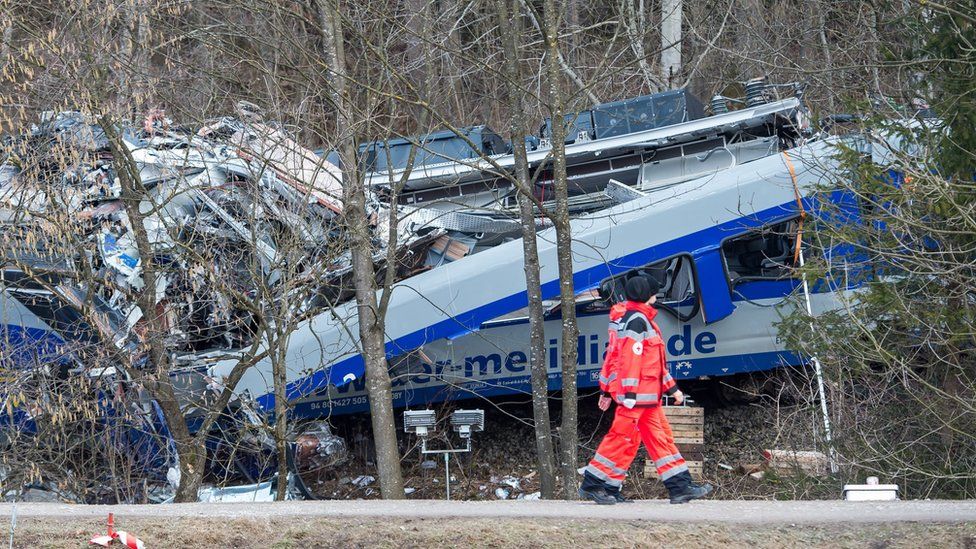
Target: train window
(678,294)
(763,254)
(676,276)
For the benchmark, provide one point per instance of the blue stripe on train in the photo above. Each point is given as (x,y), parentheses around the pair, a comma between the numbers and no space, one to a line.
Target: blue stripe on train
(403,397)
(584,280)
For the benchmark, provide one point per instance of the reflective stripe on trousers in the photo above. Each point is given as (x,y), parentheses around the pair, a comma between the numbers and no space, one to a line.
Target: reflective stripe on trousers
(609,463)
(673,471)
(598,473)
(619,447)
(666,460)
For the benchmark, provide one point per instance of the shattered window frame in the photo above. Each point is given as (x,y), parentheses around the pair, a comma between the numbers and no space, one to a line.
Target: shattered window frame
(781,267)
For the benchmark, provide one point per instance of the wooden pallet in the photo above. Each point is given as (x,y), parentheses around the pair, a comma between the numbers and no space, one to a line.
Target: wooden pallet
(687,424)
(694,467)
(688,428)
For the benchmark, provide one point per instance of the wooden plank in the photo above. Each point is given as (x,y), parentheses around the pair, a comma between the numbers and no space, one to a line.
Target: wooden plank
(691,448)
(672,416)
(698,423)
(694,467)
(689,440)
(683,411)
(686,420)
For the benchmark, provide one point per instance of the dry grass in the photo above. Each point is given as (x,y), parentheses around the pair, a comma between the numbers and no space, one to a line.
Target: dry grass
(467,533)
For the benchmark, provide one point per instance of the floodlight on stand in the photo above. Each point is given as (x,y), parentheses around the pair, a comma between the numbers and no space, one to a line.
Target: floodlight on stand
(420,422)
(466,422)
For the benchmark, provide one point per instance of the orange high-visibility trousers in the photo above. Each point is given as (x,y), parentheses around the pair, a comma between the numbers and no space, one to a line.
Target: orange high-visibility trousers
(619,447)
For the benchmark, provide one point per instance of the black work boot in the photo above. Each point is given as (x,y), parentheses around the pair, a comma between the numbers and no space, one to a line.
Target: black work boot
(615,494)
(595,490)
(682,489)
(598,496)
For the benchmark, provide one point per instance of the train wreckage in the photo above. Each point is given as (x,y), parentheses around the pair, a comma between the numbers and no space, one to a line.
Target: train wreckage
(247,244)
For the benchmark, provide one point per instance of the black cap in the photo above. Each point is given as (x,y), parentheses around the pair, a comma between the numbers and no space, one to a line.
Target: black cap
(641,288)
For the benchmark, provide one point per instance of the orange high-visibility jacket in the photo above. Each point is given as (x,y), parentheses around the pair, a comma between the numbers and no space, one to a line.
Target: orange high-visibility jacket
(635,365)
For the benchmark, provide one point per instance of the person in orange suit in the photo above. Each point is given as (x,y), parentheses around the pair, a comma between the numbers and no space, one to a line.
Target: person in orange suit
(635,376)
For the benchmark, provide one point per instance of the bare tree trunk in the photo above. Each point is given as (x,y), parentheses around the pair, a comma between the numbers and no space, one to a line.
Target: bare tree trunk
(418,57)
(191,451)
(874,60)
(824,44)
(135,90)
(632,20)
(572,23)
(7,36)
(447,19)
(510,24)
(371,329)
(279,377)
(568,438)
(670,41)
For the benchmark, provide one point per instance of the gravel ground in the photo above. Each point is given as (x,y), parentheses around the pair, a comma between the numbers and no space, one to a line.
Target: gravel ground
(816,513)
(506,524)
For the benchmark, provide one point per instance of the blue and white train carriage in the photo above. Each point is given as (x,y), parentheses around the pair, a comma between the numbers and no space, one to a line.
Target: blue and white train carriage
(709,205)
(723,246)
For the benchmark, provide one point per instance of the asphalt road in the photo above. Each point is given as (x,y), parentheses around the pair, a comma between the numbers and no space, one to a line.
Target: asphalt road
(724,511)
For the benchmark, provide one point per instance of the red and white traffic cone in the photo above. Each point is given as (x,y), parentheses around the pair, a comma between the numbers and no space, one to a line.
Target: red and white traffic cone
(125,538)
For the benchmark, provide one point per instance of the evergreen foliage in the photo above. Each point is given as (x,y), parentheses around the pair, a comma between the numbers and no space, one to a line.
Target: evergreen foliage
(900,354)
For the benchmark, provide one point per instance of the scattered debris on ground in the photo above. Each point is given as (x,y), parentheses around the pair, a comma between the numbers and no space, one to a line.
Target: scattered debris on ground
(502,464)
(786,462)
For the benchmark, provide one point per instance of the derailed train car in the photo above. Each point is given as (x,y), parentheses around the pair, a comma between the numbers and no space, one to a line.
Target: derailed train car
(724,288)
(716,261)
(708,205)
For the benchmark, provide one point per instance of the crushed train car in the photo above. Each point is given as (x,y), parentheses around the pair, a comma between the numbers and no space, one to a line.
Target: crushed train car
(239,216)
(681,209)
(235,213)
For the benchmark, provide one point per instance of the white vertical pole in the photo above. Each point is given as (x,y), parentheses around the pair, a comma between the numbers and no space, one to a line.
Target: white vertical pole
(831,454)
(670,40)
(447,473)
